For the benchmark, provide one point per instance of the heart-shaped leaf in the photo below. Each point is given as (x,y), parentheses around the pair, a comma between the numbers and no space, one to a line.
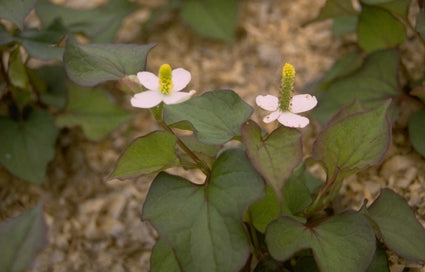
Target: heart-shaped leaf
(274,156)
(148,154)
(345,242)
(211,18)
(417,131)
(372,84)
(216,116)
(5,38)
(100,23)
(355,142)
(21,239)
(90,64)
(398,226)
(344,24)
(378,29)
(203,224)
(26,147)
(93,110)
(336,8)
(380,261)
(163,258)
(16,11)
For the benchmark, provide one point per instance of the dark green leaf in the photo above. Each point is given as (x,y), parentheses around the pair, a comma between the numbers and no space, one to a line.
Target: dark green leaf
(211,18)
(56,90)
(417,131)
(379,262)
(203,224)
(306,264)
(100,23)
(264,211)
(148,154)
(5,38)
(341,68)
(26,147)
(16,10)
(216,116)
(93,110)
(344,24)
(205,152)
(378,29)
(276,155)
(396,7)
(345,242)
(298,191)
(355,142)
(42,44)
(163,259)
(373,83)
(21,239)
(336,8)
(400,230)
(91,64)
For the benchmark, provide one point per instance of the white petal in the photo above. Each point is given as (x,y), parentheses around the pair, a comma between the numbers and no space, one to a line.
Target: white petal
(149,80)
(271,117)
(147,99)
(302,103)
(181,78)
(267,102)
(290,119)
(177,97)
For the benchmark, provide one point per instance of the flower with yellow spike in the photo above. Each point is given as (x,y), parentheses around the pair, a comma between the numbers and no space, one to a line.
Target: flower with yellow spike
(165,87)
(286,107)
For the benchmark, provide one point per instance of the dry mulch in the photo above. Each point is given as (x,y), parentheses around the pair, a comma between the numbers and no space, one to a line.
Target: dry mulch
(94,223)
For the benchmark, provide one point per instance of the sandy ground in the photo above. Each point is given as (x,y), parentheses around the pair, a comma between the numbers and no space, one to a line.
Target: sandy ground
(94,223)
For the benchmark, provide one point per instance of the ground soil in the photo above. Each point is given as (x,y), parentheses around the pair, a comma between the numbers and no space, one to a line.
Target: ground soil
(94,223)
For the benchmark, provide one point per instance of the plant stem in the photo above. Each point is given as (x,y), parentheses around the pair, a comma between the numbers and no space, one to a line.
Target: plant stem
(200,163)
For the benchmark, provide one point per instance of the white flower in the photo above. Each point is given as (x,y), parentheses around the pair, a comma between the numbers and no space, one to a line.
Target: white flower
(298,103)
(165,87)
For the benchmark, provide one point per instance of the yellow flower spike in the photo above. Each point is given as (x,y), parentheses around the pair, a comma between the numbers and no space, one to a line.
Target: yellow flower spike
(287,85)
(165,79)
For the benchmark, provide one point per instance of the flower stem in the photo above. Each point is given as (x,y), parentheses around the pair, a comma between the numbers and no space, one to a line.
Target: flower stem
(157,112)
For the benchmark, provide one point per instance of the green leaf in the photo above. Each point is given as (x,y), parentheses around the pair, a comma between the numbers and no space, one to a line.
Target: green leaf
(372,84)
(336,8)
(378,29)
(41,44)
(298,191)
(5,38)
(163,259)
(344,24)
(379,262)
(203,224)
(355,142)
(349,231)
(26,147)
(100,24)
(16,10)
(275,156)
(398,226)
(93,110)
(216,116)
(205,152)
(417,131)
(395,7)
(264,211)
(17,71)
(211,18)
(147,154)
(56,88)
(21,239)
(91,64)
